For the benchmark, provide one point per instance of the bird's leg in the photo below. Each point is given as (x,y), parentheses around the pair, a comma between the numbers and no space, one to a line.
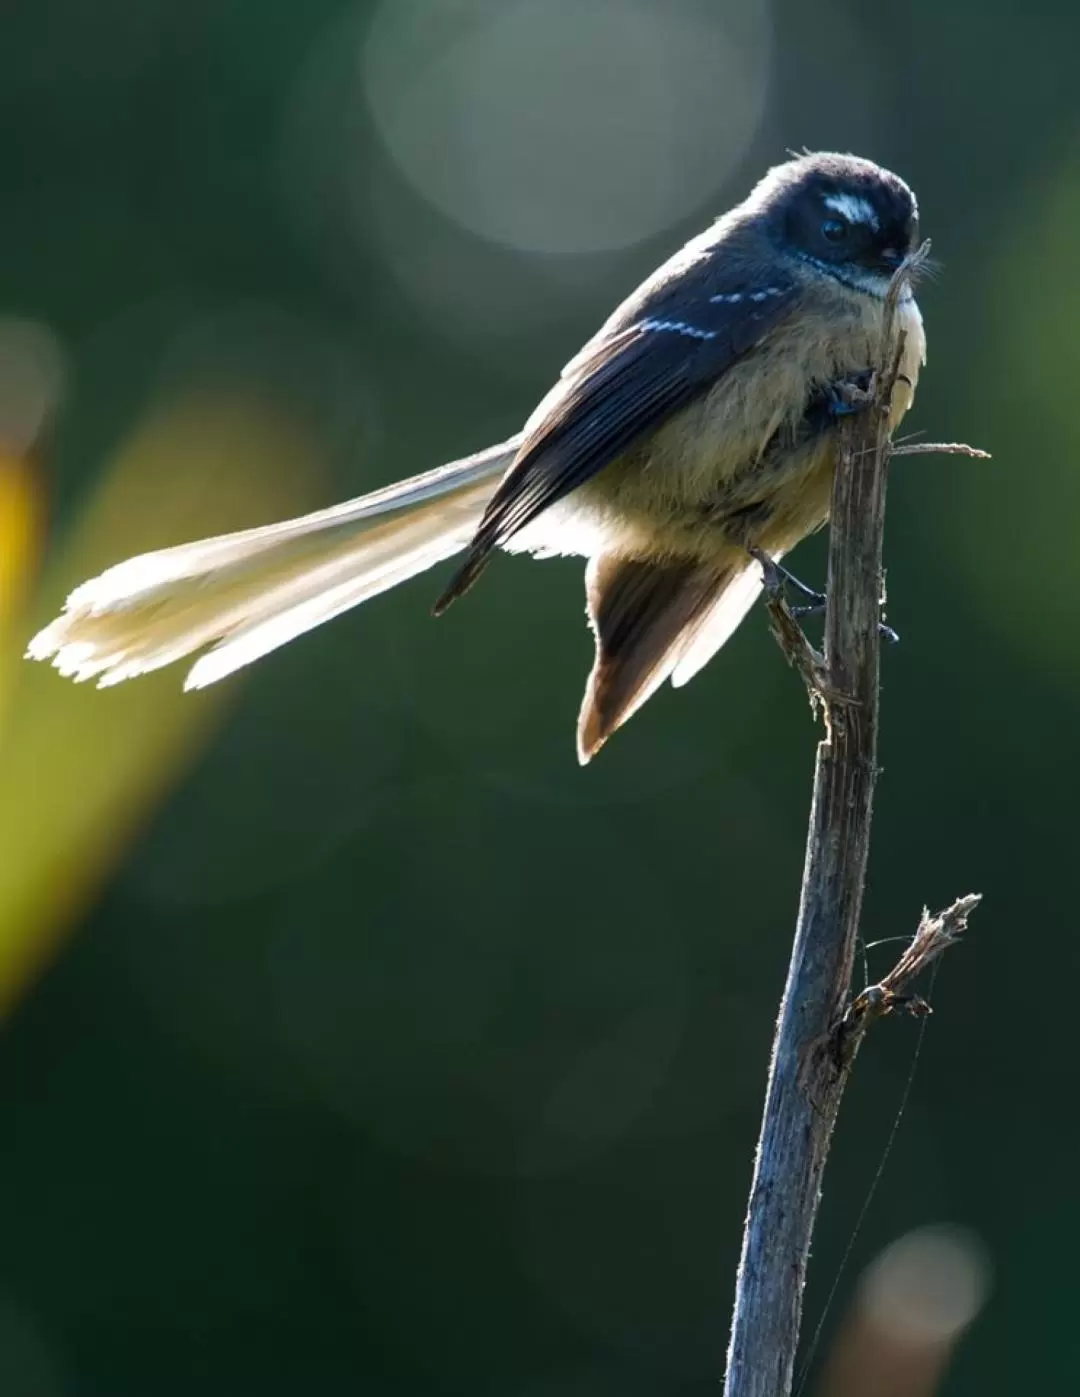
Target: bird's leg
(815,603)
(777,578)
(817,608)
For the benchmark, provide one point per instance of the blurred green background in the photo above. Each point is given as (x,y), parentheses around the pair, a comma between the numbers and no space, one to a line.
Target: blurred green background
(357,1041)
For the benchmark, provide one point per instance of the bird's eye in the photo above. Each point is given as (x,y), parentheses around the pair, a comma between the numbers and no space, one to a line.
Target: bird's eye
(834,230)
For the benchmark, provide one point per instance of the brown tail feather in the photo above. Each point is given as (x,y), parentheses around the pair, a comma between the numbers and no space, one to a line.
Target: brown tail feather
(641,614)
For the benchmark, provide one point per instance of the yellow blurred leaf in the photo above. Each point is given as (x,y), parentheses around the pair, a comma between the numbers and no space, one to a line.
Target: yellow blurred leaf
(20,530)
(81,769)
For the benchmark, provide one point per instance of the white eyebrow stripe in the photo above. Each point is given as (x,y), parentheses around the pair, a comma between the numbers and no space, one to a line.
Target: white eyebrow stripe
(854,209)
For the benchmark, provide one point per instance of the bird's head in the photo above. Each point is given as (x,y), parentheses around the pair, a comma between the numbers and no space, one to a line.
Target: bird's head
(841,215)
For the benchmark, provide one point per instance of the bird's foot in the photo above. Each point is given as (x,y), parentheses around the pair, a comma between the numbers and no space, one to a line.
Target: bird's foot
(850,395)
(778,578)
(817,608)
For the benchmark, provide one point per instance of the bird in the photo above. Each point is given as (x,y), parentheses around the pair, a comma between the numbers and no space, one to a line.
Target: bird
(690,444)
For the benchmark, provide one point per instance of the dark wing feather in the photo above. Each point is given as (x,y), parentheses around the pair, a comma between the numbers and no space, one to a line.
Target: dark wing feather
(681,338)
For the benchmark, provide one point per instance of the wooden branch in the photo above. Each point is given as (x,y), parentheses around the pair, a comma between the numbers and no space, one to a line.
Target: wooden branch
(798,651)
(818,1029)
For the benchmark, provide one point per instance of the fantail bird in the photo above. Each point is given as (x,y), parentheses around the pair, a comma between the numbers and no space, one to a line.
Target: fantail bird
(693,427)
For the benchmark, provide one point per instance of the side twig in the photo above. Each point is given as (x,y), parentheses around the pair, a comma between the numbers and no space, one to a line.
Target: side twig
(933,937)
(939,448)
(819,1029)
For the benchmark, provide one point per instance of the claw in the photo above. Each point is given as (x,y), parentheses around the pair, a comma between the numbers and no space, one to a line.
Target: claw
(816,600)
(850,395)
(777,578)
(816,609)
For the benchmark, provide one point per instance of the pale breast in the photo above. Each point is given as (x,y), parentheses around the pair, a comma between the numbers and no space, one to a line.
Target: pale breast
(725,452)
(726,437)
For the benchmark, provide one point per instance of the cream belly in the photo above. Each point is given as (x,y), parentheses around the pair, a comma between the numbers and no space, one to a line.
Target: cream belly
(730,470)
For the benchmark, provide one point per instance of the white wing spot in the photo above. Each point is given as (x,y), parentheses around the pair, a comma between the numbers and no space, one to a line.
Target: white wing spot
(681,328)
(732,298)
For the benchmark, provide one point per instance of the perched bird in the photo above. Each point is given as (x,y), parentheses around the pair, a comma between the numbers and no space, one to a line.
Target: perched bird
(694,427)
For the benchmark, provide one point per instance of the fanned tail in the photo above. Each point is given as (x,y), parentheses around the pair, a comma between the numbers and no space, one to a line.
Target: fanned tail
(247,593)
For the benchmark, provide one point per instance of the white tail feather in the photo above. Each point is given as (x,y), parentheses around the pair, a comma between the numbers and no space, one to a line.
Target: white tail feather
(719,622)
(254,590)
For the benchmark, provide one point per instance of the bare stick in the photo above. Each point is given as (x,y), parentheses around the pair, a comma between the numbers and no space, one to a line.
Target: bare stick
(933,937)
(939,448)
(815,1039)
(787,632)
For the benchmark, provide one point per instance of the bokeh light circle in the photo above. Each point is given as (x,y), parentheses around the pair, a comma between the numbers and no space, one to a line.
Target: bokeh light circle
(928,1285)
(566,126)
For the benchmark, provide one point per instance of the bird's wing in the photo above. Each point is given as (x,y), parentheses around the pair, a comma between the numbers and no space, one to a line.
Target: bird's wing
(622,385)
